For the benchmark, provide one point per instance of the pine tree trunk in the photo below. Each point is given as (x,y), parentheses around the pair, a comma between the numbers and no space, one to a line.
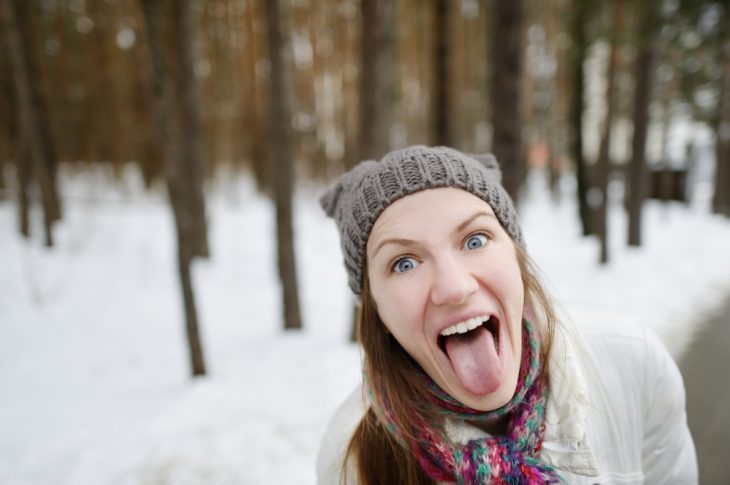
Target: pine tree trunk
(604,157)
(30,154)
(282,160)
(441,102)
(190,167)
(46,175)
(376,84)
(168,122)
(721,197)
(644,69)
(507,59)
(577,107)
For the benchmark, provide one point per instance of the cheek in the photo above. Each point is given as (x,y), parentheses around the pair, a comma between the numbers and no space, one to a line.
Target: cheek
(399,309)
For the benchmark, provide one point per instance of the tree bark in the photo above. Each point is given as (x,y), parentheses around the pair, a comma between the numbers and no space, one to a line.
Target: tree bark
(721,197)
(168,123)
(30,155)
(604,156)
(644,70)
(47,169)
(507,60)
(376,84)
(190,168)
(577,107)
(282,160)
(441,101)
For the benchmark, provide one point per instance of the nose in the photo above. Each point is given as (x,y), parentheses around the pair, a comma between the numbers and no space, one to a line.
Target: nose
(453,282)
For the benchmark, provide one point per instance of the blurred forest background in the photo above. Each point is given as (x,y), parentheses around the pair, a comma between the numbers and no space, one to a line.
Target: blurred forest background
(293,90)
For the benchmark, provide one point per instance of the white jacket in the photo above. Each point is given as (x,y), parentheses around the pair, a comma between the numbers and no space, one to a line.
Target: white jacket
(615,414)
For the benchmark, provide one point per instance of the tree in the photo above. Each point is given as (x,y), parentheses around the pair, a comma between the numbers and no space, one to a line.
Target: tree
(644,70)
(577,108)
(721,197)
(183,170)
(441,99)
(281,159)
(35,155)
(507,60)
(604,157)
(376,84)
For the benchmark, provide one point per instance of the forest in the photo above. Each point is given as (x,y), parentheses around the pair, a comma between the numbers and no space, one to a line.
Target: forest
(620,101)
(289,91)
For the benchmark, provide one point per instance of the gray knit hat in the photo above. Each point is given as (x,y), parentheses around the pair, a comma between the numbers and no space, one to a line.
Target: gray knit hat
(362,194)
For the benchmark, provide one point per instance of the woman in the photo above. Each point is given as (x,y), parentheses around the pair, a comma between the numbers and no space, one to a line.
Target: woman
(468,375)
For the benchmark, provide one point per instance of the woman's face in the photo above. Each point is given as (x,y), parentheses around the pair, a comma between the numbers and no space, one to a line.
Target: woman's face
(446,282)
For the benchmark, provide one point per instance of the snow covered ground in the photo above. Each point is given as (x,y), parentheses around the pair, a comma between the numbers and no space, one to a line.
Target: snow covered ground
(94,385)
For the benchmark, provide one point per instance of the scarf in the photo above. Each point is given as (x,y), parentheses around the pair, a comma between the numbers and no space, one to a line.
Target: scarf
(507,459)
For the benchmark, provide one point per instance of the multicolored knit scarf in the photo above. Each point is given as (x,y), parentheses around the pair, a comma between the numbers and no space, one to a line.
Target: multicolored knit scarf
(507,459)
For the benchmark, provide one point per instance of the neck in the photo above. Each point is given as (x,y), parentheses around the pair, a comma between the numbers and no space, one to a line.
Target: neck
(495,427)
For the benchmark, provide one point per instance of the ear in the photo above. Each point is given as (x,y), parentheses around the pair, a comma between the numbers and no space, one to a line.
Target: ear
(329,199)
(488,161)
(332,197)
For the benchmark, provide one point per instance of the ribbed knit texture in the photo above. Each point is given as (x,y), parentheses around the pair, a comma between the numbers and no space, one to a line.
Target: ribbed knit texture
(362,194)
(508,459)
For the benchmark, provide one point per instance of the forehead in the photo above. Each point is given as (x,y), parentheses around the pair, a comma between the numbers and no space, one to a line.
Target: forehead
(426,210)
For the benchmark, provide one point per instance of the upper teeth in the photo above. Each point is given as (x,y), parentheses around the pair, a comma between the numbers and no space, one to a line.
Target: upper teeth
(465,326)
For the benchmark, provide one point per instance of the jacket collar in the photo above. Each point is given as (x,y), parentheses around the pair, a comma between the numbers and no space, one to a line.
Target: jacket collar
(566,445)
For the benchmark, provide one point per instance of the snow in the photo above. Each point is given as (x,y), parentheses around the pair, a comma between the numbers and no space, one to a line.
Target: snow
(94,377)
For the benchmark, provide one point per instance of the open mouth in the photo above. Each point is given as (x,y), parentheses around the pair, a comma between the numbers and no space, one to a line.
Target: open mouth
(472,349)
(469,329)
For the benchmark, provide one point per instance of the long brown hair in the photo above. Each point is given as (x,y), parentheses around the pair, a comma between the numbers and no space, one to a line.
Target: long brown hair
(380,459)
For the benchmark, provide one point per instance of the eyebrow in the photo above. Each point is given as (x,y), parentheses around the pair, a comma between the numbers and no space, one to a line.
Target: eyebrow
(410,242)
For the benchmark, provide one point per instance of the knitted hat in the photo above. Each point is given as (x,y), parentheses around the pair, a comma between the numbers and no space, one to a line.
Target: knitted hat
(362,194)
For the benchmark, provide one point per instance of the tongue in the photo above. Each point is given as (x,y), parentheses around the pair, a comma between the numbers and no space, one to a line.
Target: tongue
(475,360)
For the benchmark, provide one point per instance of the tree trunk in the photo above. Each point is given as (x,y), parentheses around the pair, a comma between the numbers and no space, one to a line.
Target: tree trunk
(191,167)
(441,101)
(47,169)
(376,84)
(282,160)
(16,150)
(604,156)
(30,154)
(644,69)
(721,197)
(168,123)
(577,107)
(507,58)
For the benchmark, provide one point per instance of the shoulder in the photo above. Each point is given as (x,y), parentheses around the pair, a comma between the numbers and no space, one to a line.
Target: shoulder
(630,352)
(331,455)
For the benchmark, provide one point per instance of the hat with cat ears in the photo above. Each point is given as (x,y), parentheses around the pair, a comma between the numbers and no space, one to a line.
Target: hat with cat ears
(359,196)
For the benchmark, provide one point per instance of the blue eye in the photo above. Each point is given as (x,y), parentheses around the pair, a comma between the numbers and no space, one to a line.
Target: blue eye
(475,241)
(404,264)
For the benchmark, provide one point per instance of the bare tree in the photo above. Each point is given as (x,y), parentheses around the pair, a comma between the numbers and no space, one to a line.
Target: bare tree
(577,108)
(31,159)
(441,122)
(644,70)
(376,84)
(604,157)
(282,161)
(507,60)
(721,197)
(168,113)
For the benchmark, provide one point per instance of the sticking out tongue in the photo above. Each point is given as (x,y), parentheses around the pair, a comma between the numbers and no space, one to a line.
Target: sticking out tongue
(475,360)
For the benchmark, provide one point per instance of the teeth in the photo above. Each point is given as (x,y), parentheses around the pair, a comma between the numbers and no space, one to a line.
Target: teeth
(465,326)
